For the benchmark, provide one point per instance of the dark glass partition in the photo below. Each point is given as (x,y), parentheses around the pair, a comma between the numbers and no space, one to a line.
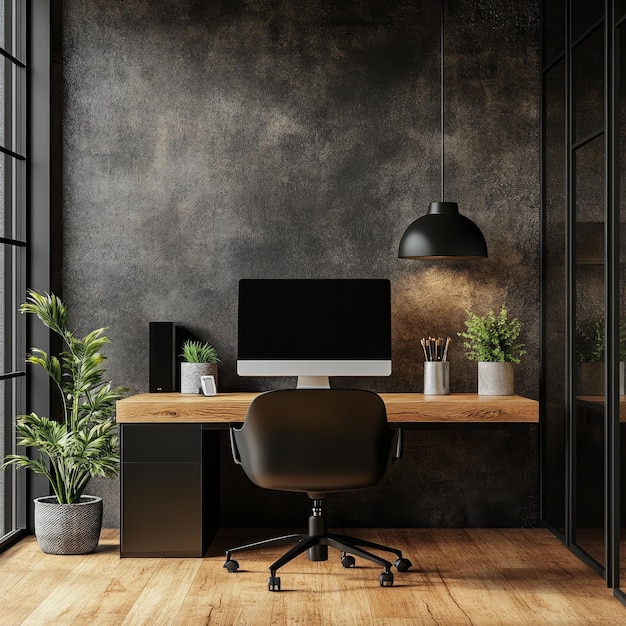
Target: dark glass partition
(554,288)
(585,13)
(553,31)
(589,349)
(620,186)
(588,85)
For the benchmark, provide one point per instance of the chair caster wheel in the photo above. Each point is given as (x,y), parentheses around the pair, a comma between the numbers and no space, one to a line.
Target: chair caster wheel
(273,583)
(347,560)
(402,565)
(386,579)
(231,565)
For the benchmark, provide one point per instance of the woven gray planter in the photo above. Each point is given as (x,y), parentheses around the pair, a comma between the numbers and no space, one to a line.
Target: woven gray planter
(190,376)
(68,528)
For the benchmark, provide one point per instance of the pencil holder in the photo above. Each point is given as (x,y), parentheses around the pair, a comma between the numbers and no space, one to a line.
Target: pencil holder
(436,378)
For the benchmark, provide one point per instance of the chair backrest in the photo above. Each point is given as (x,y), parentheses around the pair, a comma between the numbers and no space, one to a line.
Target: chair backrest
(315,440)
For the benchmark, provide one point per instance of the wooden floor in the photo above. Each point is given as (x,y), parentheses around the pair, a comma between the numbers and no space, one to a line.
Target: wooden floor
(476,577)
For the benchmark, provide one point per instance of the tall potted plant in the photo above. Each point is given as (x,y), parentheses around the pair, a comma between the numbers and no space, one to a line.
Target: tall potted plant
(492,341)
(79,443)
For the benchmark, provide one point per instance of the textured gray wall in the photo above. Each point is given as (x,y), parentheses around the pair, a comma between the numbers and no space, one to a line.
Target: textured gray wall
(205,142)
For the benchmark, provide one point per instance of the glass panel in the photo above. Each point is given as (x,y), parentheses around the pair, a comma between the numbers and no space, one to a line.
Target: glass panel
(12,106)
(12,20)
(588,85)
(620,148)
(5,475)
(12,258)
(5,196)
(589,343)
(17,170)
(18,110)
(5,25)
(585,13)
(12,200)
(553,32)
(620,8)
(5,320)
(5,90)
(12,481)
(6,439)
(553,473)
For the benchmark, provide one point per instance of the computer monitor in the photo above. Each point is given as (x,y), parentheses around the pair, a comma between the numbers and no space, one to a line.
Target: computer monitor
(314,328)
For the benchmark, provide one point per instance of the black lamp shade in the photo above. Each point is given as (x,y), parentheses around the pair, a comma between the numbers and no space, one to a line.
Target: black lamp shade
(443,233)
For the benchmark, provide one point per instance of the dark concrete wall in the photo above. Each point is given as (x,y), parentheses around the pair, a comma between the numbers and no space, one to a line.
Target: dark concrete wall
(204,142)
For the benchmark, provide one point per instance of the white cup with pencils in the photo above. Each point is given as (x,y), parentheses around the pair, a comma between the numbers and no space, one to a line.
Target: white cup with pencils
(436,366)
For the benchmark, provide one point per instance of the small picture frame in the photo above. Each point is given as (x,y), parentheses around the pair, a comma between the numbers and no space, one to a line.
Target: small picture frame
(208,385)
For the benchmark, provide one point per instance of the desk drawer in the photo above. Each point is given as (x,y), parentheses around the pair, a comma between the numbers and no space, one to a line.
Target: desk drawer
(165,443)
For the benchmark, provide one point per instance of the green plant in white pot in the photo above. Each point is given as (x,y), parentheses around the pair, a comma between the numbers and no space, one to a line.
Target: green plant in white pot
(492,341)
(199,359)
(78,443)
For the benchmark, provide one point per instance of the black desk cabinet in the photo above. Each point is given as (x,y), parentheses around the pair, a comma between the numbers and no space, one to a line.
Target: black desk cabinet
(165,472)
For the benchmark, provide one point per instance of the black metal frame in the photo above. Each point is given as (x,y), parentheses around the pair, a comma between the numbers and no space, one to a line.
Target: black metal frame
(543,248)
(614,409)
(612,505)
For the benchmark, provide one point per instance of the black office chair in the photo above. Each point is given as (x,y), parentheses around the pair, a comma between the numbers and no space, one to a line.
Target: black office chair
(317,441)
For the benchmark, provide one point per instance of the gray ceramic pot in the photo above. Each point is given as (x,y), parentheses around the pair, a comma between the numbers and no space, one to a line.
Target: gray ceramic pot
(68,528)
(496,379)
(190,376)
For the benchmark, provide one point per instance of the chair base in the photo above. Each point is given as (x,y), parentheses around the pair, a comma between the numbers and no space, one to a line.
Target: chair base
(316,543)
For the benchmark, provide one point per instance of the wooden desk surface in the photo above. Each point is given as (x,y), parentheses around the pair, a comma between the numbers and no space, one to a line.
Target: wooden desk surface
(401,407)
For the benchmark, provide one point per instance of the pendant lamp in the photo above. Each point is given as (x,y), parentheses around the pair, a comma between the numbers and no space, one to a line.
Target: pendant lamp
(443,233)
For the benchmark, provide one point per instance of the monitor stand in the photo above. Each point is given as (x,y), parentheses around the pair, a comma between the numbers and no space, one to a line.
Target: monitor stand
(313,382)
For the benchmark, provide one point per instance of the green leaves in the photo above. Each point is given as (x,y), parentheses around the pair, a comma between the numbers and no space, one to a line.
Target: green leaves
(492,337)
(590,340)
(49,309)
(199,352)
(83,441)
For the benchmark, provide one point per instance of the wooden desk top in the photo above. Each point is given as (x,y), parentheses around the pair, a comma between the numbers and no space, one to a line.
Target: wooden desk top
(401,407)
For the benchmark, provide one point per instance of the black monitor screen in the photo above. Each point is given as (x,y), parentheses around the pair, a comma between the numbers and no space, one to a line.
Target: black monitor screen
(314,319)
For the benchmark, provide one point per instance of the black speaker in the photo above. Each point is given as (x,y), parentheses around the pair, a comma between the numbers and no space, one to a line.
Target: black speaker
(166,345)
(163,357)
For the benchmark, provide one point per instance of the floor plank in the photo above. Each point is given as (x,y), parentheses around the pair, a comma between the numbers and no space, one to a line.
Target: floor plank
(490,577)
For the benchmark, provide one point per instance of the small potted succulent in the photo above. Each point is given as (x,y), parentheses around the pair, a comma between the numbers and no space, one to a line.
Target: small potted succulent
(199,359)
(491,340)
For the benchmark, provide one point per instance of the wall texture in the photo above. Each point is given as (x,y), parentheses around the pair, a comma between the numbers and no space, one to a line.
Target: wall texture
(204,142)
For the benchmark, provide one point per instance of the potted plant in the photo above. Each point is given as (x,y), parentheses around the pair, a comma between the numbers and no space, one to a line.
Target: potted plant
(82,440)
(590,339)
(492,341)
(199,359)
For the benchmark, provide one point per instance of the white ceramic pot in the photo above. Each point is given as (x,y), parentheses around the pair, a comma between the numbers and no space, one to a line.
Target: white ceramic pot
(190,374)
(496,379)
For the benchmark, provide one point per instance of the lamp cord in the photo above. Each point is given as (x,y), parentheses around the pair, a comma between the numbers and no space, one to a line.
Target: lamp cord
(442,104)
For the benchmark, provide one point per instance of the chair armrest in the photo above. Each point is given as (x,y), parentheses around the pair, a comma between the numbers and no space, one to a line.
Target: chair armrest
(233,444)
(396,443)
